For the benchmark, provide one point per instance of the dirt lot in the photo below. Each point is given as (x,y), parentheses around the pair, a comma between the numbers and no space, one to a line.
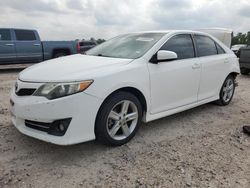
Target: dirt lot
(202,147)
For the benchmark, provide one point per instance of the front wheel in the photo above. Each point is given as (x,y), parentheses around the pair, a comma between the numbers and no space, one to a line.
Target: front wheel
(227,91)
(118,119)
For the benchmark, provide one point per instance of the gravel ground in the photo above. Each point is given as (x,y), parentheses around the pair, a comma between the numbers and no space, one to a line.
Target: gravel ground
(202,147)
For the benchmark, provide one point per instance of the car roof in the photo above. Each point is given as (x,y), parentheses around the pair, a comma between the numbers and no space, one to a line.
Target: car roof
(171,31)
(18,29)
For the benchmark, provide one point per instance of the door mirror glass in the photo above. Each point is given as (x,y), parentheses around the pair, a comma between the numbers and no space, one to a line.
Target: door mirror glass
(164,55)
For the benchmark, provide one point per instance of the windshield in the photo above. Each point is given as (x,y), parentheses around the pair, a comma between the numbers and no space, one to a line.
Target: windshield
(129,46)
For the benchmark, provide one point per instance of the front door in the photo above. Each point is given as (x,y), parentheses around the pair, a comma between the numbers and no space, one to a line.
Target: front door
(175,83)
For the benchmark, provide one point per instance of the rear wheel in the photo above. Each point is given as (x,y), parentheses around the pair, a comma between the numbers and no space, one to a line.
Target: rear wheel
(244,71)
(227,91)
(118,119)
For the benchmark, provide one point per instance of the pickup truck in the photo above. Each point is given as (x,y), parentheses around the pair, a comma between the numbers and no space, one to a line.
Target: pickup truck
(24,46)
(244,59)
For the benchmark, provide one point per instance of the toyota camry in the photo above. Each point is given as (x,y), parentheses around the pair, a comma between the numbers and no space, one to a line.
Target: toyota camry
(107,92)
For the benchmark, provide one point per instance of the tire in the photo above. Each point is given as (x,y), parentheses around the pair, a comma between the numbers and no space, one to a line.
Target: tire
(244,71)
(59,54)
(112,127)
(227,91)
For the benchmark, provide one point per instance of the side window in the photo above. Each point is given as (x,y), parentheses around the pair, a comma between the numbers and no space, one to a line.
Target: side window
(205,46)
(220,49)
(5,35)
(182,45)
(25,35)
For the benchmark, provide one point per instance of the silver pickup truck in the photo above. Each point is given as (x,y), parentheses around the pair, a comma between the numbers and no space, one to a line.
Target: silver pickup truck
(24,46)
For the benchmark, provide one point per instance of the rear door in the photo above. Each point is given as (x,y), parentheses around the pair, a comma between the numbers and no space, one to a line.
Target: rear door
(214,64)
(7,47)
(28,46)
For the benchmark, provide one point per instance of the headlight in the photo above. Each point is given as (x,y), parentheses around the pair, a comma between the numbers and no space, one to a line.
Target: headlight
(57,90)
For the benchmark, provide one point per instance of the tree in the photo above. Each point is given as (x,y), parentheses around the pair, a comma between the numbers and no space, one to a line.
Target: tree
(99,41)
(241,38)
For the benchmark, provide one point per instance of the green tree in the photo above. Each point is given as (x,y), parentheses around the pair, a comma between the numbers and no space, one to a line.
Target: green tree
(99,41)
(241,38)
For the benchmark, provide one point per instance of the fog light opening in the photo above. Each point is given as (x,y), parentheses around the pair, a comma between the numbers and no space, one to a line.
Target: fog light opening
(61,127)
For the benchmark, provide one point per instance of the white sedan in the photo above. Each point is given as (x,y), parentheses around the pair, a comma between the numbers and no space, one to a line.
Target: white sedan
(106,93)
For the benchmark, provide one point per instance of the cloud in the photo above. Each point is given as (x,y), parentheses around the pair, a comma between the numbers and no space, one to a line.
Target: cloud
(173,4)
(245,11)
(71,19)
(31,6)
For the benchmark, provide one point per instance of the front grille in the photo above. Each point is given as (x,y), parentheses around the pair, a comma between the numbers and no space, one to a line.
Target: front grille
(57,128)
(25,92)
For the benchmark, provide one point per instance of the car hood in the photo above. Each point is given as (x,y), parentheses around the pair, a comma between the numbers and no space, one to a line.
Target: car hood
(71,68)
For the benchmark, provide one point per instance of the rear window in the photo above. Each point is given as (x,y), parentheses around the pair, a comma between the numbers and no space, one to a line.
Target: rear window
(205,46)
(25,35)
(5,34)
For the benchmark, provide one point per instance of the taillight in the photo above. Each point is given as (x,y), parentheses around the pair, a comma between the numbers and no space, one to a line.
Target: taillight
(78,48)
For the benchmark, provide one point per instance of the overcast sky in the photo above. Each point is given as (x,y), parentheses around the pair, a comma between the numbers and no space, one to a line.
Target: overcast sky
(72,19)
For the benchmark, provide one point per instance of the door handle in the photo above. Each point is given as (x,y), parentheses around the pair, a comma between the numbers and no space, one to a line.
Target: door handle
(9,44)
(36,44)
(196,66)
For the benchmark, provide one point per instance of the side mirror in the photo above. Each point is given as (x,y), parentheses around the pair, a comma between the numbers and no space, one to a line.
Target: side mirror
(163,55)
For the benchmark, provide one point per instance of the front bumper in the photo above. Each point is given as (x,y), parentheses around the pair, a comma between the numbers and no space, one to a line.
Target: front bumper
(81,107)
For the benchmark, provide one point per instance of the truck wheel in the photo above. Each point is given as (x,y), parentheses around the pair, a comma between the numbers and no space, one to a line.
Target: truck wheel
(118,119)
(244,71)
(59,54)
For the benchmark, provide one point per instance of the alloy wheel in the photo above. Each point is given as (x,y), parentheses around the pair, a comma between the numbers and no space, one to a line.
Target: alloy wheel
(228,90)
(122,120)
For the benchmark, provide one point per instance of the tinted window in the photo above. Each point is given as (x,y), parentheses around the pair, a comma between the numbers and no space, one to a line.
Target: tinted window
(182,45)
(5,34)
(205,46)
(25,35)
(220,49)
